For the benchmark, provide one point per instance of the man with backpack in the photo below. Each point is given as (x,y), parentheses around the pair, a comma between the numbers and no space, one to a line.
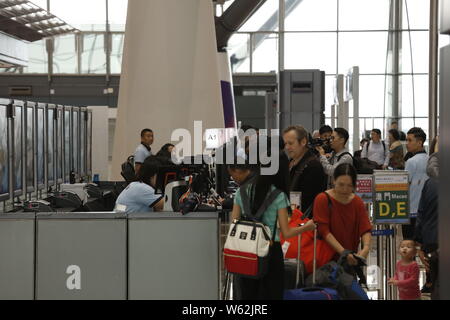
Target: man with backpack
(376,150)
(339,156)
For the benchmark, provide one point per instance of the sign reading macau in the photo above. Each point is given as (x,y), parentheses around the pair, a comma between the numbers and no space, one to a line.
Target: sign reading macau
(391,197)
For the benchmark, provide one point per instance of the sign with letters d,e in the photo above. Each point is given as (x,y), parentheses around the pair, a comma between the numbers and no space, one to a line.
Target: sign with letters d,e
(391,197)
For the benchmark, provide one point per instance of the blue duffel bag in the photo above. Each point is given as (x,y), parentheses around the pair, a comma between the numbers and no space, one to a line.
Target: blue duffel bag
(311,294)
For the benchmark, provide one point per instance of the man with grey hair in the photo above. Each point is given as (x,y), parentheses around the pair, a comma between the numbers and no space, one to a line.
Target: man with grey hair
(306,172)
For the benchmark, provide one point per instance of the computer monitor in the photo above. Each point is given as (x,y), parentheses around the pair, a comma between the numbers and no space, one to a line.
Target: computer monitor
(76,140)
(67,143)
(40,146)
(4,151)
(83,128)
(51,144)
(59,145)
(30,146)
(89,143)
(18,146)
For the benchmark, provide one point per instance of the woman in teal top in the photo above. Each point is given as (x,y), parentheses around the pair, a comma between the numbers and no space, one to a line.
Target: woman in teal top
(271,286)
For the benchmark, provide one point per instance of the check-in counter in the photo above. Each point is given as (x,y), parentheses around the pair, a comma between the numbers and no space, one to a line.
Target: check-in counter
(109,256)
(81,256)
(17,256)
(171,256)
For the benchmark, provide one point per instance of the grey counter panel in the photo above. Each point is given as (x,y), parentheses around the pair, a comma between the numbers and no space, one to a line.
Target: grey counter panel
(174,258)
(17,258)
(97,247)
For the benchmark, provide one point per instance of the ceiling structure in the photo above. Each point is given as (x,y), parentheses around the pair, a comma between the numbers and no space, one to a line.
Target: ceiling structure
(24,20)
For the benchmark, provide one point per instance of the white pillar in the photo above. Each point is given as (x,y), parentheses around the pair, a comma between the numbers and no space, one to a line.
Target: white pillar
(170,74)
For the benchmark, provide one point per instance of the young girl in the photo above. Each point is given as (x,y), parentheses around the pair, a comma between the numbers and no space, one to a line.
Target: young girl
(407,272)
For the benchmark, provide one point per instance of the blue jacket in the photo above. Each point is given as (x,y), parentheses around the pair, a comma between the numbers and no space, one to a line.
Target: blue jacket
(417,169)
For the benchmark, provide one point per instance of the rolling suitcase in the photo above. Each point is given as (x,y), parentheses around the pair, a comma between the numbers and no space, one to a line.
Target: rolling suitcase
(312,293)
(294,271)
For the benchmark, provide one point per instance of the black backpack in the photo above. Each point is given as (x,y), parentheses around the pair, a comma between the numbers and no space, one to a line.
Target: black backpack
(128,172)
(362,165)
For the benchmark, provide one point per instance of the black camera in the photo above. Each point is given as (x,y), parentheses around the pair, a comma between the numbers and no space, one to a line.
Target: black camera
(324,143)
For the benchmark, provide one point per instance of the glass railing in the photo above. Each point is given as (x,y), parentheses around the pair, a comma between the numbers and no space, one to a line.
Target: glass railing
(81,53)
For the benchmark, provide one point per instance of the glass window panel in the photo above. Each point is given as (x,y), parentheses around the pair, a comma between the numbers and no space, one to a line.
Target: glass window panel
(420,96)
(37,58)
(420,52)
(371,96)
(419,14)
(311,51)
(86,15)
(379,124)
(265,52)
(239,51)
(406,124)
(329,94)
(117,14)
(363,15)
(264,19)
(117,52)
(424,124)
(367,50)
(305,16)
(93,58)
(65,55)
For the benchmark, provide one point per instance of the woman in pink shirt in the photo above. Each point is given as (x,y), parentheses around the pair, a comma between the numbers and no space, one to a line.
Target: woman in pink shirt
(407,272)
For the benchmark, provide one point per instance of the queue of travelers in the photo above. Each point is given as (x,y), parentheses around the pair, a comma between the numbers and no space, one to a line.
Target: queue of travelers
(324,173)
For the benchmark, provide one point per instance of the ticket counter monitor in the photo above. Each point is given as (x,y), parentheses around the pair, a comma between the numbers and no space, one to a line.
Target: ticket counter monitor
(4,151)
(30,147)
(18,147)
(76,141)
(67,143)
(40,146)
(50,120)
(59,144)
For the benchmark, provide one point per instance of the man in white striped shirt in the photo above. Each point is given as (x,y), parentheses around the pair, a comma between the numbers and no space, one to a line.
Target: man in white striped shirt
(376,150)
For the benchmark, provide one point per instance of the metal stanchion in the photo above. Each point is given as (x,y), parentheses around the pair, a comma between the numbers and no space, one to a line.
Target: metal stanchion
(394,259)
(388,269)
(380,264)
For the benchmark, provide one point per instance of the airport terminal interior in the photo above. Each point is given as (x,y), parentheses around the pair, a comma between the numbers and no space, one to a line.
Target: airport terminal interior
(224,149)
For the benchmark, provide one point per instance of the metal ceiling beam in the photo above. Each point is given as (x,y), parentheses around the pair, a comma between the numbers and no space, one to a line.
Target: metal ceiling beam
(24,20)
(233,18)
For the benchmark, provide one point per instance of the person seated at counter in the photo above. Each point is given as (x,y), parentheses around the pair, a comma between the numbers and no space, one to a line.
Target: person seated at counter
(140,196)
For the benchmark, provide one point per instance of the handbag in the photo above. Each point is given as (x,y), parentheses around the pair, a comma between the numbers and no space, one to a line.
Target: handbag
(246,250)
(324,252)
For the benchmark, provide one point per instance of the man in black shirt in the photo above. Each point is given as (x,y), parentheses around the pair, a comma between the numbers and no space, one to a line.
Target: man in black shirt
(306,172)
